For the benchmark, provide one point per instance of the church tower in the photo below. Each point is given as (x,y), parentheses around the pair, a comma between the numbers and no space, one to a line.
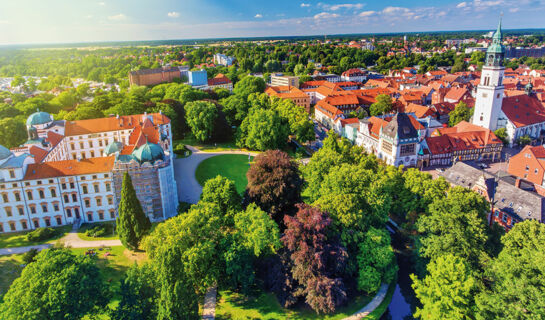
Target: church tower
(490,89)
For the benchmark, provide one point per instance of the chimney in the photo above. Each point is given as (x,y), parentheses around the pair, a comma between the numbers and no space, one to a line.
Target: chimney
(517,183)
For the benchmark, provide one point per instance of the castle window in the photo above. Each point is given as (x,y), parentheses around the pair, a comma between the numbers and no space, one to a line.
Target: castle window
(8,211)
(44,208)
(21,211)
(66,199)
(41,193)
(29,195)
(59,221)
(24,225)
(5,197)
(12,226)
(12,174)
(53,193)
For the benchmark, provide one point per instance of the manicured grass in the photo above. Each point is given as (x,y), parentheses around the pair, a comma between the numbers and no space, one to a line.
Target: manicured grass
(263,305)
(18,239)
(10,269)
(231,166)
(86,226)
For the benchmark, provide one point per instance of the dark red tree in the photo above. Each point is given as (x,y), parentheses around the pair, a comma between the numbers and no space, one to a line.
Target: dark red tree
(318,259)
(274,184)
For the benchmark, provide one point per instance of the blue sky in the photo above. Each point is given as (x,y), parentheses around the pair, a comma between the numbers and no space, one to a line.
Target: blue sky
(53,21)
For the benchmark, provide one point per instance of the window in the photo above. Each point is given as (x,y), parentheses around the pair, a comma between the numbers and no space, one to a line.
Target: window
(8,211)
(108,188)
(56,206)
(63,186)
(36,223)
(74,155)
(83,155)
(110,200)
(99,201)
(90,144)
(536,171)
(69,213)
(84,189)
(12,174)
(39,182)
(24,225)
(72,146)
(94,177)
(44,207)
(21,211)
(112,214)
(407,149)
(41,194)
(12,226)
(33,209)
(81,145)
(14,185)
(29,195)
(5,197)
(101,215)
(97,190)
(87,203)
(50,181)
(53,193)
(89,217)
(59,221)
(72,186)
(66,198)
(92,154)
(1,227)
(74,197)
(47,222)
(100,143)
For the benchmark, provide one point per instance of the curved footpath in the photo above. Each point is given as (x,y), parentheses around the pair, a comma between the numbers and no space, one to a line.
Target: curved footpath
(189,189)
(371,306)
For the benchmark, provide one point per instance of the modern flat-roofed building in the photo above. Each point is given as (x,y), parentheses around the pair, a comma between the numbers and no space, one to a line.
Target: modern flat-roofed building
(279,80)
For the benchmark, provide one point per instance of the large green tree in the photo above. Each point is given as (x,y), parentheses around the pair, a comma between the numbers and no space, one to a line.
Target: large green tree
(58,286)
(262,130)
(383,105)
(448,291)
(249,85)
(138,295)
(516,277)
(132,223)
(460,113)
(222,192)
(200,117)
(12,132)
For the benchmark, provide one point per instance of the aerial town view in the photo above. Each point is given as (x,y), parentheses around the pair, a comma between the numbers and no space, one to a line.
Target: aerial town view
(201,159)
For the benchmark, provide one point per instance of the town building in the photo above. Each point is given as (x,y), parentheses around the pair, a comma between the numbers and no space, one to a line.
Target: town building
(151,77)
(71,171)
(509,204)
(223,60)
(292,93)
(529,165)
(220,81)
(354,75)
(280,80)
(198,78)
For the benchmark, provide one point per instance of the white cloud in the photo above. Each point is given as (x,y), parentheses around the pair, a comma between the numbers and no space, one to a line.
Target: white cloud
(305,5)
(326,15)
(461,5)
(367,13)
(258,16)
(102,4)
(173,14)
(346,6)
(117,17)
(395,10)
(514,10)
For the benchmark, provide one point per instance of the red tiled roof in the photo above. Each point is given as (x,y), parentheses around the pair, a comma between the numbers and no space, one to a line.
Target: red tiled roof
(456,93)
(218,80)
(69,168)
(523,110)
(38,153)
(79,127)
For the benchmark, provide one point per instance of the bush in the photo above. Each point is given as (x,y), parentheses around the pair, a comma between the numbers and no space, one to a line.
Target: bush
(180,149)
(30,256)
(41,234)
(100,231)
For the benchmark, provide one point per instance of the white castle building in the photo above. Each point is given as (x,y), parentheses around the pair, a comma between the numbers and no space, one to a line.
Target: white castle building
(72,171)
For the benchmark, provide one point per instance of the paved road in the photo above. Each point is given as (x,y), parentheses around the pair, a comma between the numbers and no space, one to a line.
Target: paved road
(17,250)
(189,189)
(371,306)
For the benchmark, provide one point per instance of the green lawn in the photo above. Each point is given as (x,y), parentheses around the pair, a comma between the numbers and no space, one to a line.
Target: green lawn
(208,147)
(86,226)
(265,306)
(10,269)
(18,239)
(231,166)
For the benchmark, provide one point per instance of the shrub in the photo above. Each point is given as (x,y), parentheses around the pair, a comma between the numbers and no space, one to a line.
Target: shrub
(41,234)
(100,231)
(30,256)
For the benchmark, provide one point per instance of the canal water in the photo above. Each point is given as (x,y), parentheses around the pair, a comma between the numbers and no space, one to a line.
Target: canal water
(404,300)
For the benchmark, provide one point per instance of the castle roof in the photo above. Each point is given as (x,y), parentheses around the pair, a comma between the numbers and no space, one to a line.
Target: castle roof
(38,118)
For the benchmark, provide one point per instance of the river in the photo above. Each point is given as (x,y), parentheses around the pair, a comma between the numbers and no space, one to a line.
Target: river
(403,301)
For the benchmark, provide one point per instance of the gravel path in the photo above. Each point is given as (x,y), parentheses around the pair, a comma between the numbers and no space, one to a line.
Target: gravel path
(209,308)
(73,241)
(371,306)
(189,189)
(17,250)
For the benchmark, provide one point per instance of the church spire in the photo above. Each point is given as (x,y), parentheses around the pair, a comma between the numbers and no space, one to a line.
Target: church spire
(496,50)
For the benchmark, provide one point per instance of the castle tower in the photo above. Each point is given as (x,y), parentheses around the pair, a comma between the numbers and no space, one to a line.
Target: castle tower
(490,89)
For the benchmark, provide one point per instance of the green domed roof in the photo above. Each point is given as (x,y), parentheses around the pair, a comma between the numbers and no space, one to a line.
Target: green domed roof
(4,153)
(149,152)
(39,117)
(113,147)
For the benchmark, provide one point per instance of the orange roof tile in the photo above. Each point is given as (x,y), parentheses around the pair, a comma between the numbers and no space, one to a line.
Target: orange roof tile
(69,168)
(523,110)
(80,127)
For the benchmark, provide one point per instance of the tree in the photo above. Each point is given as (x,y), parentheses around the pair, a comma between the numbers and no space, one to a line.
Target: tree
(249,85)
(235,109)
(299,69)
(138,295)
(318,260)
(274,184)
(59,285)
(516,277)
(460,113)
(376,261)
(200,116)
(132,222)
(84,112)
(524,140)
(501,133)
(222,93)
(299,122)
(12,132)
(222,192)
(447,292)
(457,225)
(383,105)
(262,130)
